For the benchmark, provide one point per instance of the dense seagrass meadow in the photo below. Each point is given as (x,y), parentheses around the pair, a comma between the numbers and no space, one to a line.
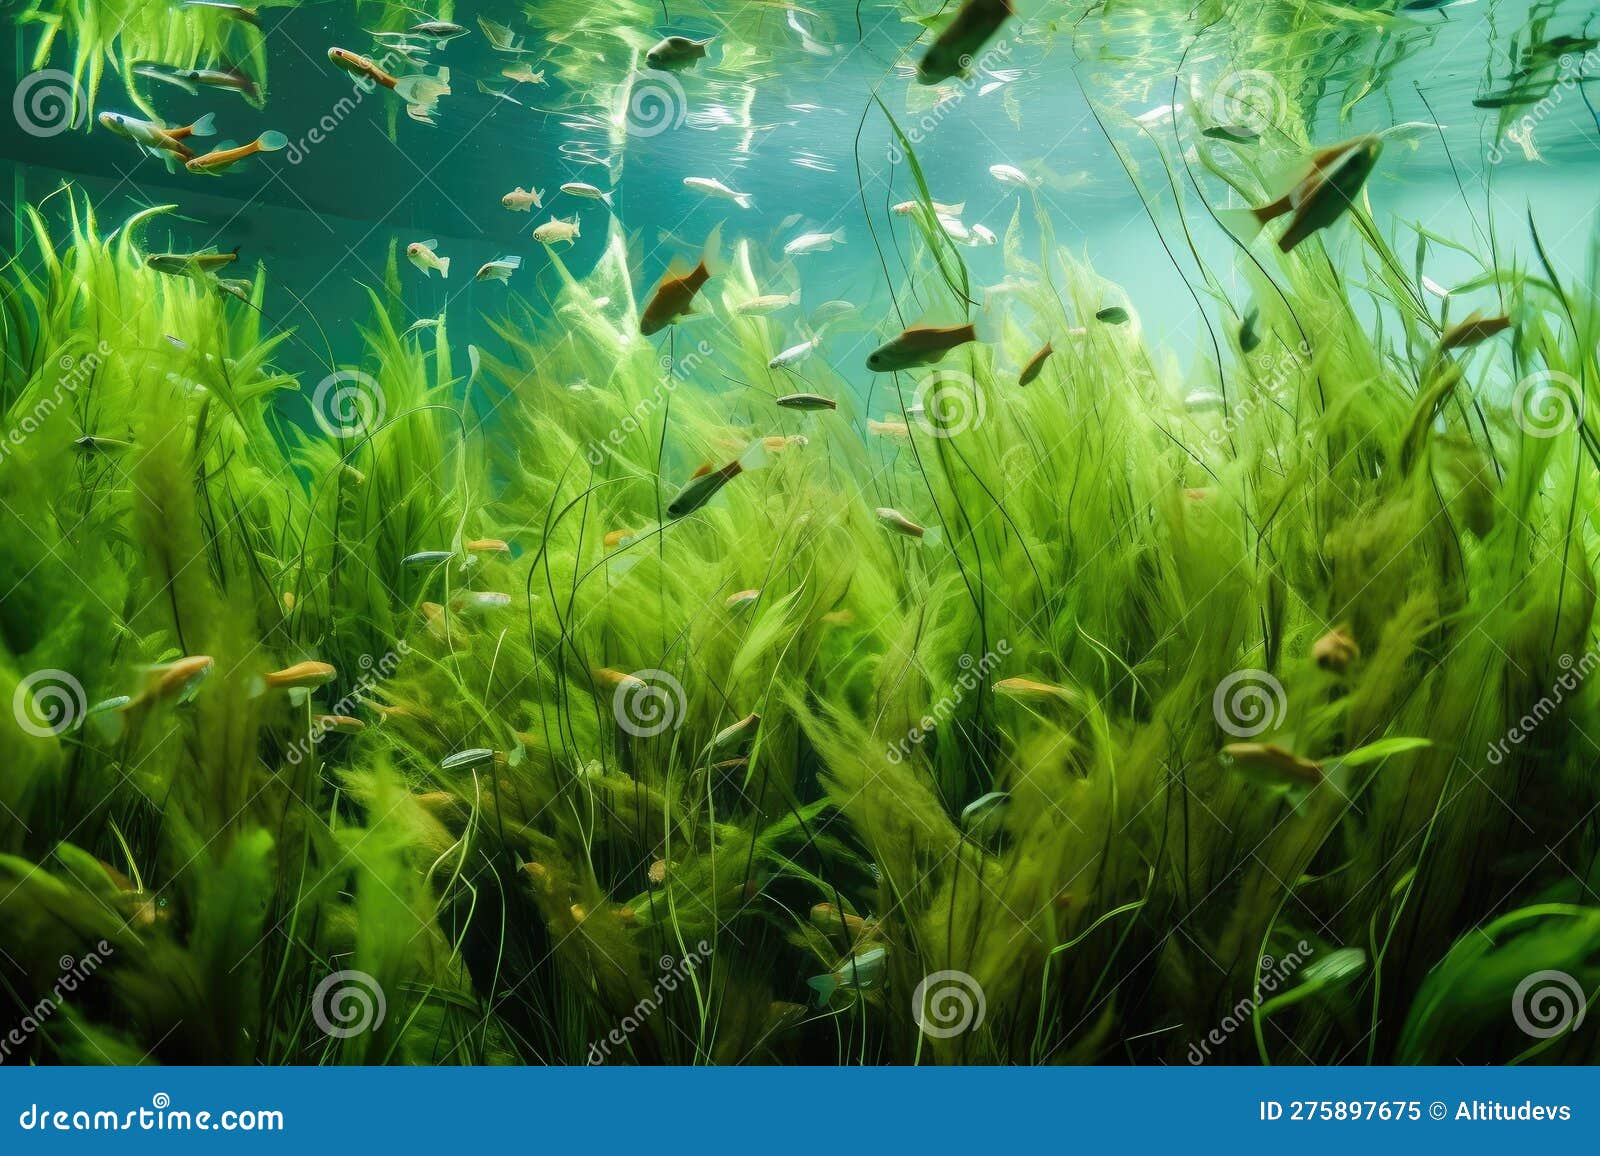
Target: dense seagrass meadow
(1004,532)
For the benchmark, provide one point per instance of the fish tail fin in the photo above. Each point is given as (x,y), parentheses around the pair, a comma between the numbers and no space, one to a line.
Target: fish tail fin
(444,267)
(794,298)
(754,458)
(258,686)
(1242,223)
(1339,778)
(271,141)
(932,536)
(743,200)
(824,986)
(606,197)
(577,229)
(109,725)
(422,89)
(711,255)
(986,322)
(838,235)
(205,126)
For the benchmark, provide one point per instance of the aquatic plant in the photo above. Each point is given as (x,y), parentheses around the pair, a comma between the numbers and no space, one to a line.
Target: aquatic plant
(1149,712)
(120,34)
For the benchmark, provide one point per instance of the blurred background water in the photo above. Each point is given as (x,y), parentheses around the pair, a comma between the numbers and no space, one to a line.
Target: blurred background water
(792,122)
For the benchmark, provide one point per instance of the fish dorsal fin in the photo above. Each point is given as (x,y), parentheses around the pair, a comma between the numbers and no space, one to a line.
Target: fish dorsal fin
(704,469)
(1286,174)
(429,243)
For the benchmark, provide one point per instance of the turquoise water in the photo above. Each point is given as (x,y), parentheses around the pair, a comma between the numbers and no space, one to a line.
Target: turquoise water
(795,126)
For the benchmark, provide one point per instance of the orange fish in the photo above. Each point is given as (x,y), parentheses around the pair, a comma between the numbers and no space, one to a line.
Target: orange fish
(342,724)
(1473,329)
(1335,650)
(827,917)
(214,162)
(178,678)
(611,679)
(1272,765)
(359,65)
(919,345)
(1035,364)
(300,675)
(704,483)
(1032,690)
(1329,187)
(673,298)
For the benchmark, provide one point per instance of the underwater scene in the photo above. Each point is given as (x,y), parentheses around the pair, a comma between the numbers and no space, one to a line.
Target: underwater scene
(1005,532)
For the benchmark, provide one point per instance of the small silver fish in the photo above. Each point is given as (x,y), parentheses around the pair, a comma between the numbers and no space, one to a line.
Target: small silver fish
(500,269)
(795,354)
(814,242)
(715,188)
(586,190)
